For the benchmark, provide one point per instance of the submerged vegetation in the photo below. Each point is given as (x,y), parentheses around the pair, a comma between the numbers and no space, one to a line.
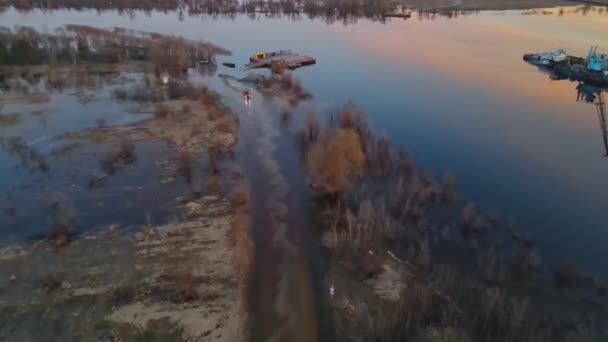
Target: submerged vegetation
(397,229)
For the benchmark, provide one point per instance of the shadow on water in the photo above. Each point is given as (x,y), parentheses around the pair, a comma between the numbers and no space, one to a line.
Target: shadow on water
(286,292)
(594,95)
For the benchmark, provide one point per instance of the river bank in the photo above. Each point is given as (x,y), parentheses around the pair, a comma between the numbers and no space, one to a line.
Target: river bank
(175,282)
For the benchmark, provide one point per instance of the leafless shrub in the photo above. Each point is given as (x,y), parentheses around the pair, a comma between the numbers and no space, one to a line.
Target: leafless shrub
(101,123)
(312,126)
(287,81)
(297,90)
(523,240)
(491,306)
(473,222)
(61,234)
(114,160)
(39,160)
(426,195)
(183,281)
(492,267)
(569,277)
(185,162)
(61,231)
(215,184)
(285,117)
(209,98)
(379,156)
(161,111)
(447,334)
(405,165)
(448,190)
(240,194)
(517,313)
(408,318)
(225,125)
(51,281)
(97,180)
(213,159)
(215,114)
(197,188)
(55,202)
(28,155)
(145,94)
(120,94)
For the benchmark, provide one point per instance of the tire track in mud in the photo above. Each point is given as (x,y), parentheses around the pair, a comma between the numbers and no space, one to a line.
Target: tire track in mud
(283,301)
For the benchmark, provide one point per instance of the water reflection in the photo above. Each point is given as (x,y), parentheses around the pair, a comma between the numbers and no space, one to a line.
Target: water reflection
(594,95)
(330,11)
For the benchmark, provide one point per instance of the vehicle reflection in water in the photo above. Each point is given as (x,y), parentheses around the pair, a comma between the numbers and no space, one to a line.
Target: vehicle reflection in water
(594,95)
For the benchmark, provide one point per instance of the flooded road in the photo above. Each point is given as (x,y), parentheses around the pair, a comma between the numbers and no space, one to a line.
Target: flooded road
(286,293)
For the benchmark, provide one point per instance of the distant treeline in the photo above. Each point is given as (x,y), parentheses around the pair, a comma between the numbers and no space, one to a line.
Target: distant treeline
(73,44)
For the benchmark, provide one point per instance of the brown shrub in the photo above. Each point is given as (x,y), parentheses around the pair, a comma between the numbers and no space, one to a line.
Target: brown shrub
(213,159)
(266,83)
(127,151)
(214,114)
(185,161)
(225,125)
(240,194)
(312,126)
(332,160)
(278,69)
(287,81)
(161,111)
(209,98)
(215,184)
(297,90)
